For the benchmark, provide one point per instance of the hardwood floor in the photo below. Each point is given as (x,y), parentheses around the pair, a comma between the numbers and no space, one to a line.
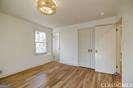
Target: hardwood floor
(57,75)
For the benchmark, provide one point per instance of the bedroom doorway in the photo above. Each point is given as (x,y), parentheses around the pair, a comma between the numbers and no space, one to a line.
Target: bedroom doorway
(56,46)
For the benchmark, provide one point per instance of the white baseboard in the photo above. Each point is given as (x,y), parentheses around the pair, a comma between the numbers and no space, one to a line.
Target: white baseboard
(17,71)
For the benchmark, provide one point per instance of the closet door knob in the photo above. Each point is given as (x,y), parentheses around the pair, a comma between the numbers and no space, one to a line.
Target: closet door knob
(90,50)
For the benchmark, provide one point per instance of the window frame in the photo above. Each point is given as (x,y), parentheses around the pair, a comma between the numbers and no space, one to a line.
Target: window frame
(40,42)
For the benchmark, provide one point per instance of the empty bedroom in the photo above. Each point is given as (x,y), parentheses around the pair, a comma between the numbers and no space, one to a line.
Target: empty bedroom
(66,43)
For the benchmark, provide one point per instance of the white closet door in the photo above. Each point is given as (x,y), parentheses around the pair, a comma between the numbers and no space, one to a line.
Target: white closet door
(105,45)
(86,48)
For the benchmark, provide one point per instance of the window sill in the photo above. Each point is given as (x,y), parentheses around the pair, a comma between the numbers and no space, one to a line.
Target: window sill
(46,54)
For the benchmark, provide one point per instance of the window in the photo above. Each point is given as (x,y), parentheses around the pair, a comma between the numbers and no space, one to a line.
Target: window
(40,42)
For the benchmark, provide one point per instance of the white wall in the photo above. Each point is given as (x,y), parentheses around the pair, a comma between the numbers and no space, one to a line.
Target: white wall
(127,14)
(69,39)
(17,45)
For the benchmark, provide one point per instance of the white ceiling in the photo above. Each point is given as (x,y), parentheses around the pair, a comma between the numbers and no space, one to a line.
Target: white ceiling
(69,12)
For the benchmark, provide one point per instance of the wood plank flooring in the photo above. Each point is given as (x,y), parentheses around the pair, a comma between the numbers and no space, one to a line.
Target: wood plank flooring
(57,75)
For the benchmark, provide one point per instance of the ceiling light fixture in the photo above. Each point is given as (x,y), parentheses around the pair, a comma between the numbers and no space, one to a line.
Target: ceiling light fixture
(47,7)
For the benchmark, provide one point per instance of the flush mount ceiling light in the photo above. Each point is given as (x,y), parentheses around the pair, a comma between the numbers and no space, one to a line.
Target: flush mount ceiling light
(47,7)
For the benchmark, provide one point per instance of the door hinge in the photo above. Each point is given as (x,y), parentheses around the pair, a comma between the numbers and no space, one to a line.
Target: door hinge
(116,66)
(0,71)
